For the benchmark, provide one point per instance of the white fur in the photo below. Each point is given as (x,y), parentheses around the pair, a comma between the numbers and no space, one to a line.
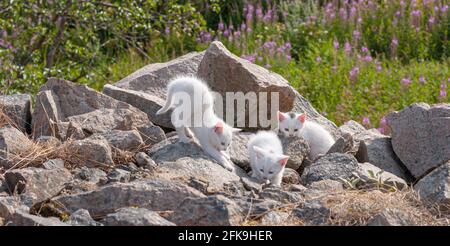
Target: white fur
(266,157)
(212,141)
(319,139)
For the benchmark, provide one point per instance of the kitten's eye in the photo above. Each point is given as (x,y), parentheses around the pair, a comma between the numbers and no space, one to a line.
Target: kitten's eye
(223,143)
(295,130)
(286,129)
(261,170)
(271,172)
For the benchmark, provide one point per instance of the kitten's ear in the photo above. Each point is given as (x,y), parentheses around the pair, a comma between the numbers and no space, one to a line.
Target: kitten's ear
(218,128)
(283,160)
(302,118)
(281,116)
(259,152)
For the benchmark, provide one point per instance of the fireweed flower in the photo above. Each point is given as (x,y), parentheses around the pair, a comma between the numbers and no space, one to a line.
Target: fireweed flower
(347,47)
(356,35)
(383,122)
(431,20)
(367,58)
(221,26)
(288,58)
(318,59)
(167,30)
(354,73)
(237,34)
(335,44)
(260,58)
(406,81)
(442,92)
(415,13)
(378,66)
(364,49)
(226,33)
(422,79)
(288,45)
(243,27)
(394,42)
(366,121)
(343,13)
(259,13)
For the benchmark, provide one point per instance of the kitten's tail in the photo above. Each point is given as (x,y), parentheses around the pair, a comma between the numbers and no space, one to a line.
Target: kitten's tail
(168,104)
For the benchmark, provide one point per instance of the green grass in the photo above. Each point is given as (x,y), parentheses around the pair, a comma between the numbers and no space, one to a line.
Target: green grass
(373,94)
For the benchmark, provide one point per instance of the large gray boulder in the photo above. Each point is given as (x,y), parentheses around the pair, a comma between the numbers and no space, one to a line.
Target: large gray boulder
(373,175)
(420,136)
(154,194)
(61,102)
(93,151)
(146,102)
(42,183)
(124,140)
(185,161)
(146,88)
(435,186)
(214,210)
(17,109)
(335,166)
(225,72)
(12,143)
(81,217)
(376,148)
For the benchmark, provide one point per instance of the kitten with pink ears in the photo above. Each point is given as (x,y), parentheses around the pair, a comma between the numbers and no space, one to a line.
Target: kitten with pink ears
(213,134)
(266,157)
(297,125)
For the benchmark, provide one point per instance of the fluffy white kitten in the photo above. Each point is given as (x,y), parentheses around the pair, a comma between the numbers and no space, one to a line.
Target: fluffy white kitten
(296,125)
(212,133)
(266,157)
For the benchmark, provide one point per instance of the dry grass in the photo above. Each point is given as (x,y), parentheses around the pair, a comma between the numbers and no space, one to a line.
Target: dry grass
(358,207)
(39,152)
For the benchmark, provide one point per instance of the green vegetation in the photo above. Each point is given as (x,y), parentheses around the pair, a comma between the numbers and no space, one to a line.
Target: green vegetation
(352,59)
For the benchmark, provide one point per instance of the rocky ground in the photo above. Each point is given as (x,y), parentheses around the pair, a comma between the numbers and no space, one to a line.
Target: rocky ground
(80,157)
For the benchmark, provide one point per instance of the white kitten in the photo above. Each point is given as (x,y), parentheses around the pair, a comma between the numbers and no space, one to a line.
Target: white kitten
(296,125)
(266,157)
(213,135)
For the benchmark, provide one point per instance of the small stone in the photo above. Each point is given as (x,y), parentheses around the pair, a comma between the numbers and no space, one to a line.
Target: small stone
(124,140)
(135,217)
(291,176)
(143,160)
(214,210)
(119,175)
(82,217)
(391,217)
(334,166)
